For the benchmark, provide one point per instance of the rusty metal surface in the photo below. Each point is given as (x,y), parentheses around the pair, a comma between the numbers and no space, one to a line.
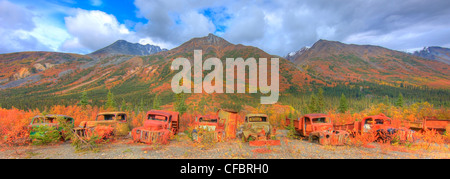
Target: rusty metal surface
(157,131)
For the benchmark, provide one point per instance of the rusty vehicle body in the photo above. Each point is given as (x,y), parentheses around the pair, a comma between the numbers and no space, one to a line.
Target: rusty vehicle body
(116,120)
(430,123)
(208,127)
(229,119)
(257,130)
(158,127)
(50,120)
(367,124)
(318,127)
(381,125)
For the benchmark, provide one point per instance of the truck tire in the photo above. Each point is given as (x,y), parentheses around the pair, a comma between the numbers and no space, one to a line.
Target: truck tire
(194,135)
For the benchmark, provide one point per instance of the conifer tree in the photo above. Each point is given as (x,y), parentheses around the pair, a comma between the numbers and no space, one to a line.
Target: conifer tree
(156,102)
(141,106)
(343,104)
(313,104)
(180,104)
(386,100)
(124,106)
(320,101)
(399,102)
(110,101)
(84,100)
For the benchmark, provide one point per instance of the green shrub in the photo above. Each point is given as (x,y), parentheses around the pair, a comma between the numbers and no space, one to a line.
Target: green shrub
(44,135)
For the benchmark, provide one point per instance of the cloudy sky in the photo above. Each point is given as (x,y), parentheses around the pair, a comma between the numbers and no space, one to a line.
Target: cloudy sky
(277,27)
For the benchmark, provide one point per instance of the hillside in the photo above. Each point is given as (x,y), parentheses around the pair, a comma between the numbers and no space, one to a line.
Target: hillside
(338,62)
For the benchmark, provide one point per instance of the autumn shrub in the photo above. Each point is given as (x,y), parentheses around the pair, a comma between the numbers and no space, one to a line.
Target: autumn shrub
(186,121)
(431,136)
(14,126)
(362,139)
(79,113)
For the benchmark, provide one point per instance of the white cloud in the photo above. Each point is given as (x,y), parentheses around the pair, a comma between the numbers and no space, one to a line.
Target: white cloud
(248,25)
(173,21)
(16,26)
(94,30)
(48,33)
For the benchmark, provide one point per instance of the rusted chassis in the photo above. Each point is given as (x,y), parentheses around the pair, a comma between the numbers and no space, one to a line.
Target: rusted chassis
(337,137)
(381,126)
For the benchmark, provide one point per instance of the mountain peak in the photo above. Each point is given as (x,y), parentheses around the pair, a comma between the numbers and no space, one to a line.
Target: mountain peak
(205,43)
(434,53)
(293,55)
(123,47)
(213,40)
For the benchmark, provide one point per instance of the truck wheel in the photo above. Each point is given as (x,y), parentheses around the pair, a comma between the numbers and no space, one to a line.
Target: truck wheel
(194,136)
(242,136)
(251,138)
(311,138)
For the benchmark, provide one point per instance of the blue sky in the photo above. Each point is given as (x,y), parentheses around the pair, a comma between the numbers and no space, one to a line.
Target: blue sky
(277,27)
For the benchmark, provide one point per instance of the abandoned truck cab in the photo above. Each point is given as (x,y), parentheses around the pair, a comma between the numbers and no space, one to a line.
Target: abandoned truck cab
(158,127)
(381,125)
(51,120)
(258,131)
(117,120)
(208,127)
(318,127)
(374,123)
(255,126)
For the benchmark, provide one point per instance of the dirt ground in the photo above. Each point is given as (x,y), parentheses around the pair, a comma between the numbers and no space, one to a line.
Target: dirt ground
(183,148)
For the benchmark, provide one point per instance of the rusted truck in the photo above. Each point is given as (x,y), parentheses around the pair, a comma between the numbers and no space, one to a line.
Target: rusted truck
(117,121)
(158,127)
(257,130)
(51,120)
(380,125)
(318,127)
(208,128)
(430,123)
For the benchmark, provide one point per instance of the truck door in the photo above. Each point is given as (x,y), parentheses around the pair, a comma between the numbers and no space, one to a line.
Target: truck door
(308,125)
(122,124)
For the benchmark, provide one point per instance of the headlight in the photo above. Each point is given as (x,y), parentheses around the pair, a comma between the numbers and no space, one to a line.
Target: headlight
(138,131)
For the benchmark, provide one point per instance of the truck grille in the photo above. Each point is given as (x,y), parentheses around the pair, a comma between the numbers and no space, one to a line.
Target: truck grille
(153,137)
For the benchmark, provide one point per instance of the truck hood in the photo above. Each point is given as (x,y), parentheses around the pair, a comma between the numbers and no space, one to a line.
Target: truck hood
(259,126)
(154,125)
(323,127)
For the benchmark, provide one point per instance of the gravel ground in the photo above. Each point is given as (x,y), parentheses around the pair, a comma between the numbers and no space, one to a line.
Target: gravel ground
(183,148)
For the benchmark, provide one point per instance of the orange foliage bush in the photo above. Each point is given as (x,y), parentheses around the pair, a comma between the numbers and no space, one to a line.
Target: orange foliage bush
(362,139)
(77,112)
(103,132)
(14,125)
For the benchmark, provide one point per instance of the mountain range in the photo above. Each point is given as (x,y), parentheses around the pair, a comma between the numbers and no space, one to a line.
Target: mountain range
(336,61)
(122,47)
(135,72)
